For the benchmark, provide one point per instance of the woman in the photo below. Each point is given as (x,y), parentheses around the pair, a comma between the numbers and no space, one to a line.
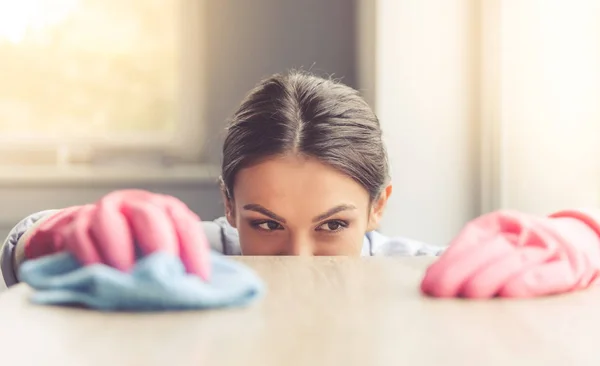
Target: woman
(304,172)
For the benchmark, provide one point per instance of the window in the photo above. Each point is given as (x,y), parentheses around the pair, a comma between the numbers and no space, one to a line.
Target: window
(91,78)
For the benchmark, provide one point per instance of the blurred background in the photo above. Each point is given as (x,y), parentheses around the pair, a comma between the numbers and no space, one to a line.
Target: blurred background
(484,104)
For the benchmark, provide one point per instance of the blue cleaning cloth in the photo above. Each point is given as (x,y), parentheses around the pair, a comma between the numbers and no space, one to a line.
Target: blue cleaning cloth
(157,282)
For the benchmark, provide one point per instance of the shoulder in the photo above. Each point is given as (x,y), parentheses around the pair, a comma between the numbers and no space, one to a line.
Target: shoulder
(222,237)
(381,245)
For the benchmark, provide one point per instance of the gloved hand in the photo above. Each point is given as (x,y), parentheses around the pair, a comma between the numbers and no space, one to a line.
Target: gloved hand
(109,230)
(512,254)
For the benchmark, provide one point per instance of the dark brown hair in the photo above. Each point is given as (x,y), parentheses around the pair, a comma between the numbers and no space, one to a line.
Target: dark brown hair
(299,113)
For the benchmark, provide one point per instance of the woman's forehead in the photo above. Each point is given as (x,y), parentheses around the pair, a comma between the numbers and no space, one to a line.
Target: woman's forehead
(298,181)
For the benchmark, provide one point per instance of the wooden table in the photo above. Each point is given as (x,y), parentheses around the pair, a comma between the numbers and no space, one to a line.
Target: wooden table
(321,311)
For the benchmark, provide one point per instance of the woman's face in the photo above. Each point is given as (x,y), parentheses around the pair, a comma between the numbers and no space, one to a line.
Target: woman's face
(298,206)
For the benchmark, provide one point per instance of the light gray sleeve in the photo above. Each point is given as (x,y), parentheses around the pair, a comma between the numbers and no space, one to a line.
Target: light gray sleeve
(223,238)
(381,245)
(8,264)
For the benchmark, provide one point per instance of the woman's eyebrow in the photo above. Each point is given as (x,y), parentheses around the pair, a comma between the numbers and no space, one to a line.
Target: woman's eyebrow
(333,211)
(260,209)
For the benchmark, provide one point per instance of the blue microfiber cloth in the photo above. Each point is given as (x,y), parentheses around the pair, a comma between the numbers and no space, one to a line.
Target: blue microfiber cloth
(157,282)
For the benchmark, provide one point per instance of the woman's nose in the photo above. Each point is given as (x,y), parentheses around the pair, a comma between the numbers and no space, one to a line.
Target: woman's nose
(299,246)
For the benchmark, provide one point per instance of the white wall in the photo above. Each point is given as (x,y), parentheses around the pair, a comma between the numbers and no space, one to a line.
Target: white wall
(549,110)
(426,77)
(250,40)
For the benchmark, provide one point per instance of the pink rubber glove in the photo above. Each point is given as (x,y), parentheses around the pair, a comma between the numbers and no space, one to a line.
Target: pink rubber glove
(107,231)
(45,239)
(512,254)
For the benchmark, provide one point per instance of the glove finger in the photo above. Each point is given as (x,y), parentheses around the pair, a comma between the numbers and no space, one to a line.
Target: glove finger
(445,278)
(77,237)
(483,229)
(152,228)
(483,238)
(112,235)
(546,279)
(487,231)
(44,240)
(194,248)
(566,269)
(533,246)
(61,217)
(580,244)
(489,280)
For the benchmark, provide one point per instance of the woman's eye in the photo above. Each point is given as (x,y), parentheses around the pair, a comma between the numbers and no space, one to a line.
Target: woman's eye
(333,226)
(268,225)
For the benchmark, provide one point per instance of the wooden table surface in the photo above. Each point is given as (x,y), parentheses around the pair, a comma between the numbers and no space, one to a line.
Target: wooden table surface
(319,311)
